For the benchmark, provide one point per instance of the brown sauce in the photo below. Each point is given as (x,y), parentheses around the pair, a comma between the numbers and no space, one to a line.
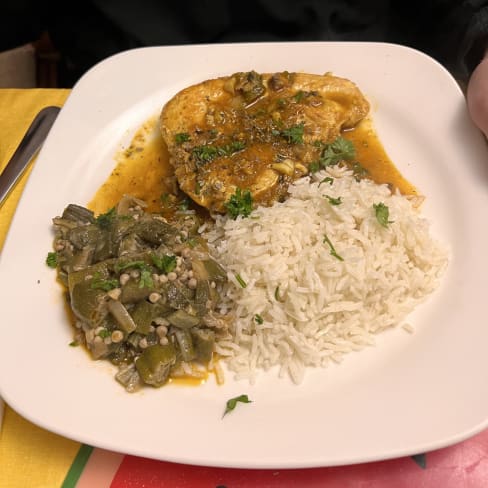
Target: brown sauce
(372,156)
(143,169)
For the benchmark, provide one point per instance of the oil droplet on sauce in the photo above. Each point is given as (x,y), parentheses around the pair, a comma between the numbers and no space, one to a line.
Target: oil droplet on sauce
(143,170)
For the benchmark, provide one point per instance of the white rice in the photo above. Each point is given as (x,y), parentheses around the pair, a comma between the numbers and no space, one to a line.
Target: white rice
(314,307)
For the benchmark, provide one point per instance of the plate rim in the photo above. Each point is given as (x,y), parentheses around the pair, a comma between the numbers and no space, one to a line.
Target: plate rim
(81,85)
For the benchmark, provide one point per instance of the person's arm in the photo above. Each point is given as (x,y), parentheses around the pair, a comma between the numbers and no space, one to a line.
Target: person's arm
(473,60)
(477,95)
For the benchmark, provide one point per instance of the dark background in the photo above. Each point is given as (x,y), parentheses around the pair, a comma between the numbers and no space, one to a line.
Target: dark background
(70,37)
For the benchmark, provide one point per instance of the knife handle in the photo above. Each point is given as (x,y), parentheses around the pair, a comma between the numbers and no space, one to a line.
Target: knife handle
(27,149)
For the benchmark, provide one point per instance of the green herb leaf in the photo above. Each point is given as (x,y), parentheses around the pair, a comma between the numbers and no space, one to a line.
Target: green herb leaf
(52,259)
(258,319)
(327,179)
(167,199)
(281,102)
(339,150)
(231,404)
(314,166)
(74,344)
(293,134)
(205,154)
(184,204)
(182,137)
(332,249)
(105,284)
(382,214)
(277,295)
(334,201)
(104,333)
(104,220)
(145,280)
(131,264)
(359,171)
(240,203)
(240,281)
(165,263)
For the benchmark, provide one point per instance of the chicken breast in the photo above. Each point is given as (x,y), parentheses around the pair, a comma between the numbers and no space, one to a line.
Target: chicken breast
(255,132)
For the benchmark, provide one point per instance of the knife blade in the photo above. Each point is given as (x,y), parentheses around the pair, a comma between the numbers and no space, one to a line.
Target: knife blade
(27,149)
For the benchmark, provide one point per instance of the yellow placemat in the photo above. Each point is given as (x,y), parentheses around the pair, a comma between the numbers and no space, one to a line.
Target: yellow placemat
(17,110)
(29,456)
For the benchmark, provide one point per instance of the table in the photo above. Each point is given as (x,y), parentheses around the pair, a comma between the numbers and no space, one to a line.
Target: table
(33,457)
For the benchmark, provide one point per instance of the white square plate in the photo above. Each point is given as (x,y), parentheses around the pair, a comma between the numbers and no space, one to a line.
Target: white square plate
(409,394)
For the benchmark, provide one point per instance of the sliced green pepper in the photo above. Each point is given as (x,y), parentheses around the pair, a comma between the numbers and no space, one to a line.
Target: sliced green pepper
(144,313)
(185,344)
(154,364)
(203,342)
(182,319)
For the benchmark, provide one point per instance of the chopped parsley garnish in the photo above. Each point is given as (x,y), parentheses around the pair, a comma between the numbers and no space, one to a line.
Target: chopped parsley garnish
(314,166)
(184,204)
(105,284)
(205,154)
(293,134)
(130,264)
(300,95)
(281,102)
(333,252)
(335,152)
(231,404)
(165,263)
(240,203)
(327,179)
(182,137)
(277,295)
(359,171)
(145,280)
(104,333)
(240,281)
(74,344)
(382,213)
(334,201)
(104,220)
(166,199)
(52,259)
(258,319)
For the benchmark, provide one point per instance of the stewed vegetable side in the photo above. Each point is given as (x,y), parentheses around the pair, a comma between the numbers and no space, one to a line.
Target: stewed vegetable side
(143,290)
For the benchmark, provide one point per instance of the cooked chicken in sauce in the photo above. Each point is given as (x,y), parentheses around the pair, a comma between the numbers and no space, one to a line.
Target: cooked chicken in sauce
(254,132)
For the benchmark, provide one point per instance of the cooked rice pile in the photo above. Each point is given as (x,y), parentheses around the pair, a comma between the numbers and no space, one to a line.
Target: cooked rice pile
(314,307)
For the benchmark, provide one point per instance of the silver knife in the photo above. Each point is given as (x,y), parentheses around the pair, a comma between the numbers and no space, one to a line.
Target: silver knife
(27,149)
